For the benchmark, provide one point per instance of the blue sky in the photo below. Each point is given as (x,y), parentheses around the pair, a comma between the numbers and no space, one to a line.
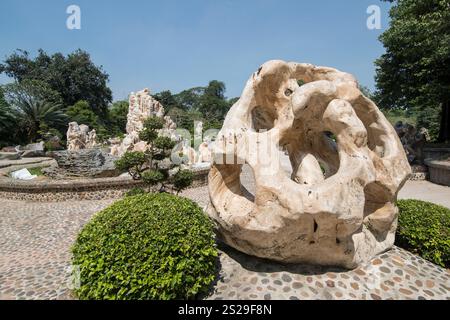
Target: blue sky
(175,44)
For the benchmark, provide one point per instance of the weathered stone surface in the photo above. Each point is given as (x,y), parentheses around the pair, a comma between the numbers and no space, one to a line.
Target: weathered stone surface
(204,153)
(9,155)
(439,171)
(8,149)
(79,137)
(141,106)
(413,141)
(32,150)
(93,163)
(338,206)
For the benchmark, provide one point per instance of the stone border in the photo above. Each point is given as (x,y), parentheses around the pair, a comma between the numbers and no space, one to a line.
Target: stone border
(80,189)
(439,171)
(435,152)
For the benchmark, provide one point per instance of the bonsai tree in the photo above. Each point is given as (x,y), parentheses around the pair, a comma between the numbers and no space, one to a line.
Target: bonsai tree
(154,166)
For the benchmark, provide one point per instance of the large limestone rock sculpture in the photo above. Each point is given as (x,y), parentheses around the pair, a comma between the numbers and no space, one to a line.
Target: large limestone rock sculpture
(142,106)
(338,207)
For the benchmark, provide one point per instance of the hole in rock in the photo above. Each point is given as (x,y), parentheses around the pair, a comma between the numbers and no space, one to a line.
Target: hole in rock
(263,118)
(247,178)
(316,226)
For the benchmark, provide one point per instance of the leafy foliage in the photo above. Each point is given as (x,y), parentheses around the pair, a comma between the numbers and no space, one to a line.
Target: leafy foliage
(132,162)
(8,121)
(135,192)
(82,113)
(395,115)
(117,117)
(32,111)
(207,104)
(414,71)
(153,177)
(154,166)
(424,228)
(182,179)
(74,77)
(153,246)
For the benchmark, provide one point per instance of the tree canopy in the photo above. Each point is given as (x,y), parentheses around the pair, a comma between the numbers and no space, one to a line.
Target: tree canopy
(414,73)
(27,106)
(207,104)
(74,77)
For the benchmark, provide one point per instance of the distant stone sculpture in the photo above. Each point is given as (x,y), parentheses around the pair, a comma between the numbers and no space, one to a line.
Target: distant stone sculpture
(91,141)
(413,141)
(189,154)
(204,153)
(141,106)
(79,137)
(338,207)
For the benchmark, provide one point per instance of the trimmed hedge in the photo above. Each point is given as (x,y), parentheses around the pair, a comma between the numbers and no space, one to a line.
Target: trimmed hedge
(152,246)
(424,229)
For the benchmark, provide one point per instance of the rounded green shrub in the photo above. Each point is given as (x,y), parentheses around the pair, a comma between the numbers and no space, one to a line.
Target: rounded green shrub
(152,177)
(424,229)
(152,246)
(182,179)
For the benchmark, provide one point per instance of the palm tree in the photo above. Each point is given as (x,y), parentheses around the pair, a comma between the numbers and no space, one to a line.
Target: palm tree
(7,120)
(33,113)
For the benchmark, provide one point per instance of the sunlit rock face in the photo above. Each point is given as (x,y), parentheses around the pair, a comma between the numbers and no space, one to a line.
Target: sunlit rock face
(79,137)
(338,205)
(142,106)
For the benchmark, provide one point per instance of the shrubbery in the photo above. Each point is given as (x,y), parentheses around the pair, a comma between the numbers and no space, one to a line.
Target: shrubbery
(424,229)
(154,166)
(152,246)
(135,192)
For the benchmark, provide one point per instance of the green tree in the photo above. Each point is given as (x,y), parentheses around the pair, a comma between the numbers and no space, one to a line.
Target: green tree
(82,113)
(190,99)
(154,166)
(167,100)
(180,117)
(32,110)
(207,104)
(74,77)
(414,73)
(8,122)
(117,117)
(213,104)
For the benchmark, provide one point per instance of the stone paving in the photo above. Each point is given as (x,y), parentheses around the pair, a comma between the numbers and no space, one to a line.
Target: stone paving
(394,275)
(35,262)
(35,246)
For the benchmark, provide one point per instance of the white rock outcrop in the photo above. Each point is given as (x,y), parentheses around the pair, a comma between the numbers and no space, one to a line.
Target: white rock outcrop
(142,106)
(338,206)
(79,137)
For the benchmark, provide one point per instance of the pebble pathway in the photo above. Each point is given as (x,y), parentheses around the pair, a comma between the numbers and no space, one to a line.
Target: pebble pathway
(394,275)
(35,263)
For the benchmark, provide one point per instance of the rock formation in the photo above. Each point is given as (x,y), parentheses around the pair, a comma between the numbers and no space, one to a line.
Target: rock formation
(79,137)
(204,153)
(91,141)
(413,141)
(89,163)
(338,207)
(141,106)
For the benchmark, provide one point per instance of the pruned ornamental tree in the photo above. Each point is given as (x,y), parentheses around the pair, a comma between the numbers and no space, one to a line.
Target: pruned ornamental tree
(154,166)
